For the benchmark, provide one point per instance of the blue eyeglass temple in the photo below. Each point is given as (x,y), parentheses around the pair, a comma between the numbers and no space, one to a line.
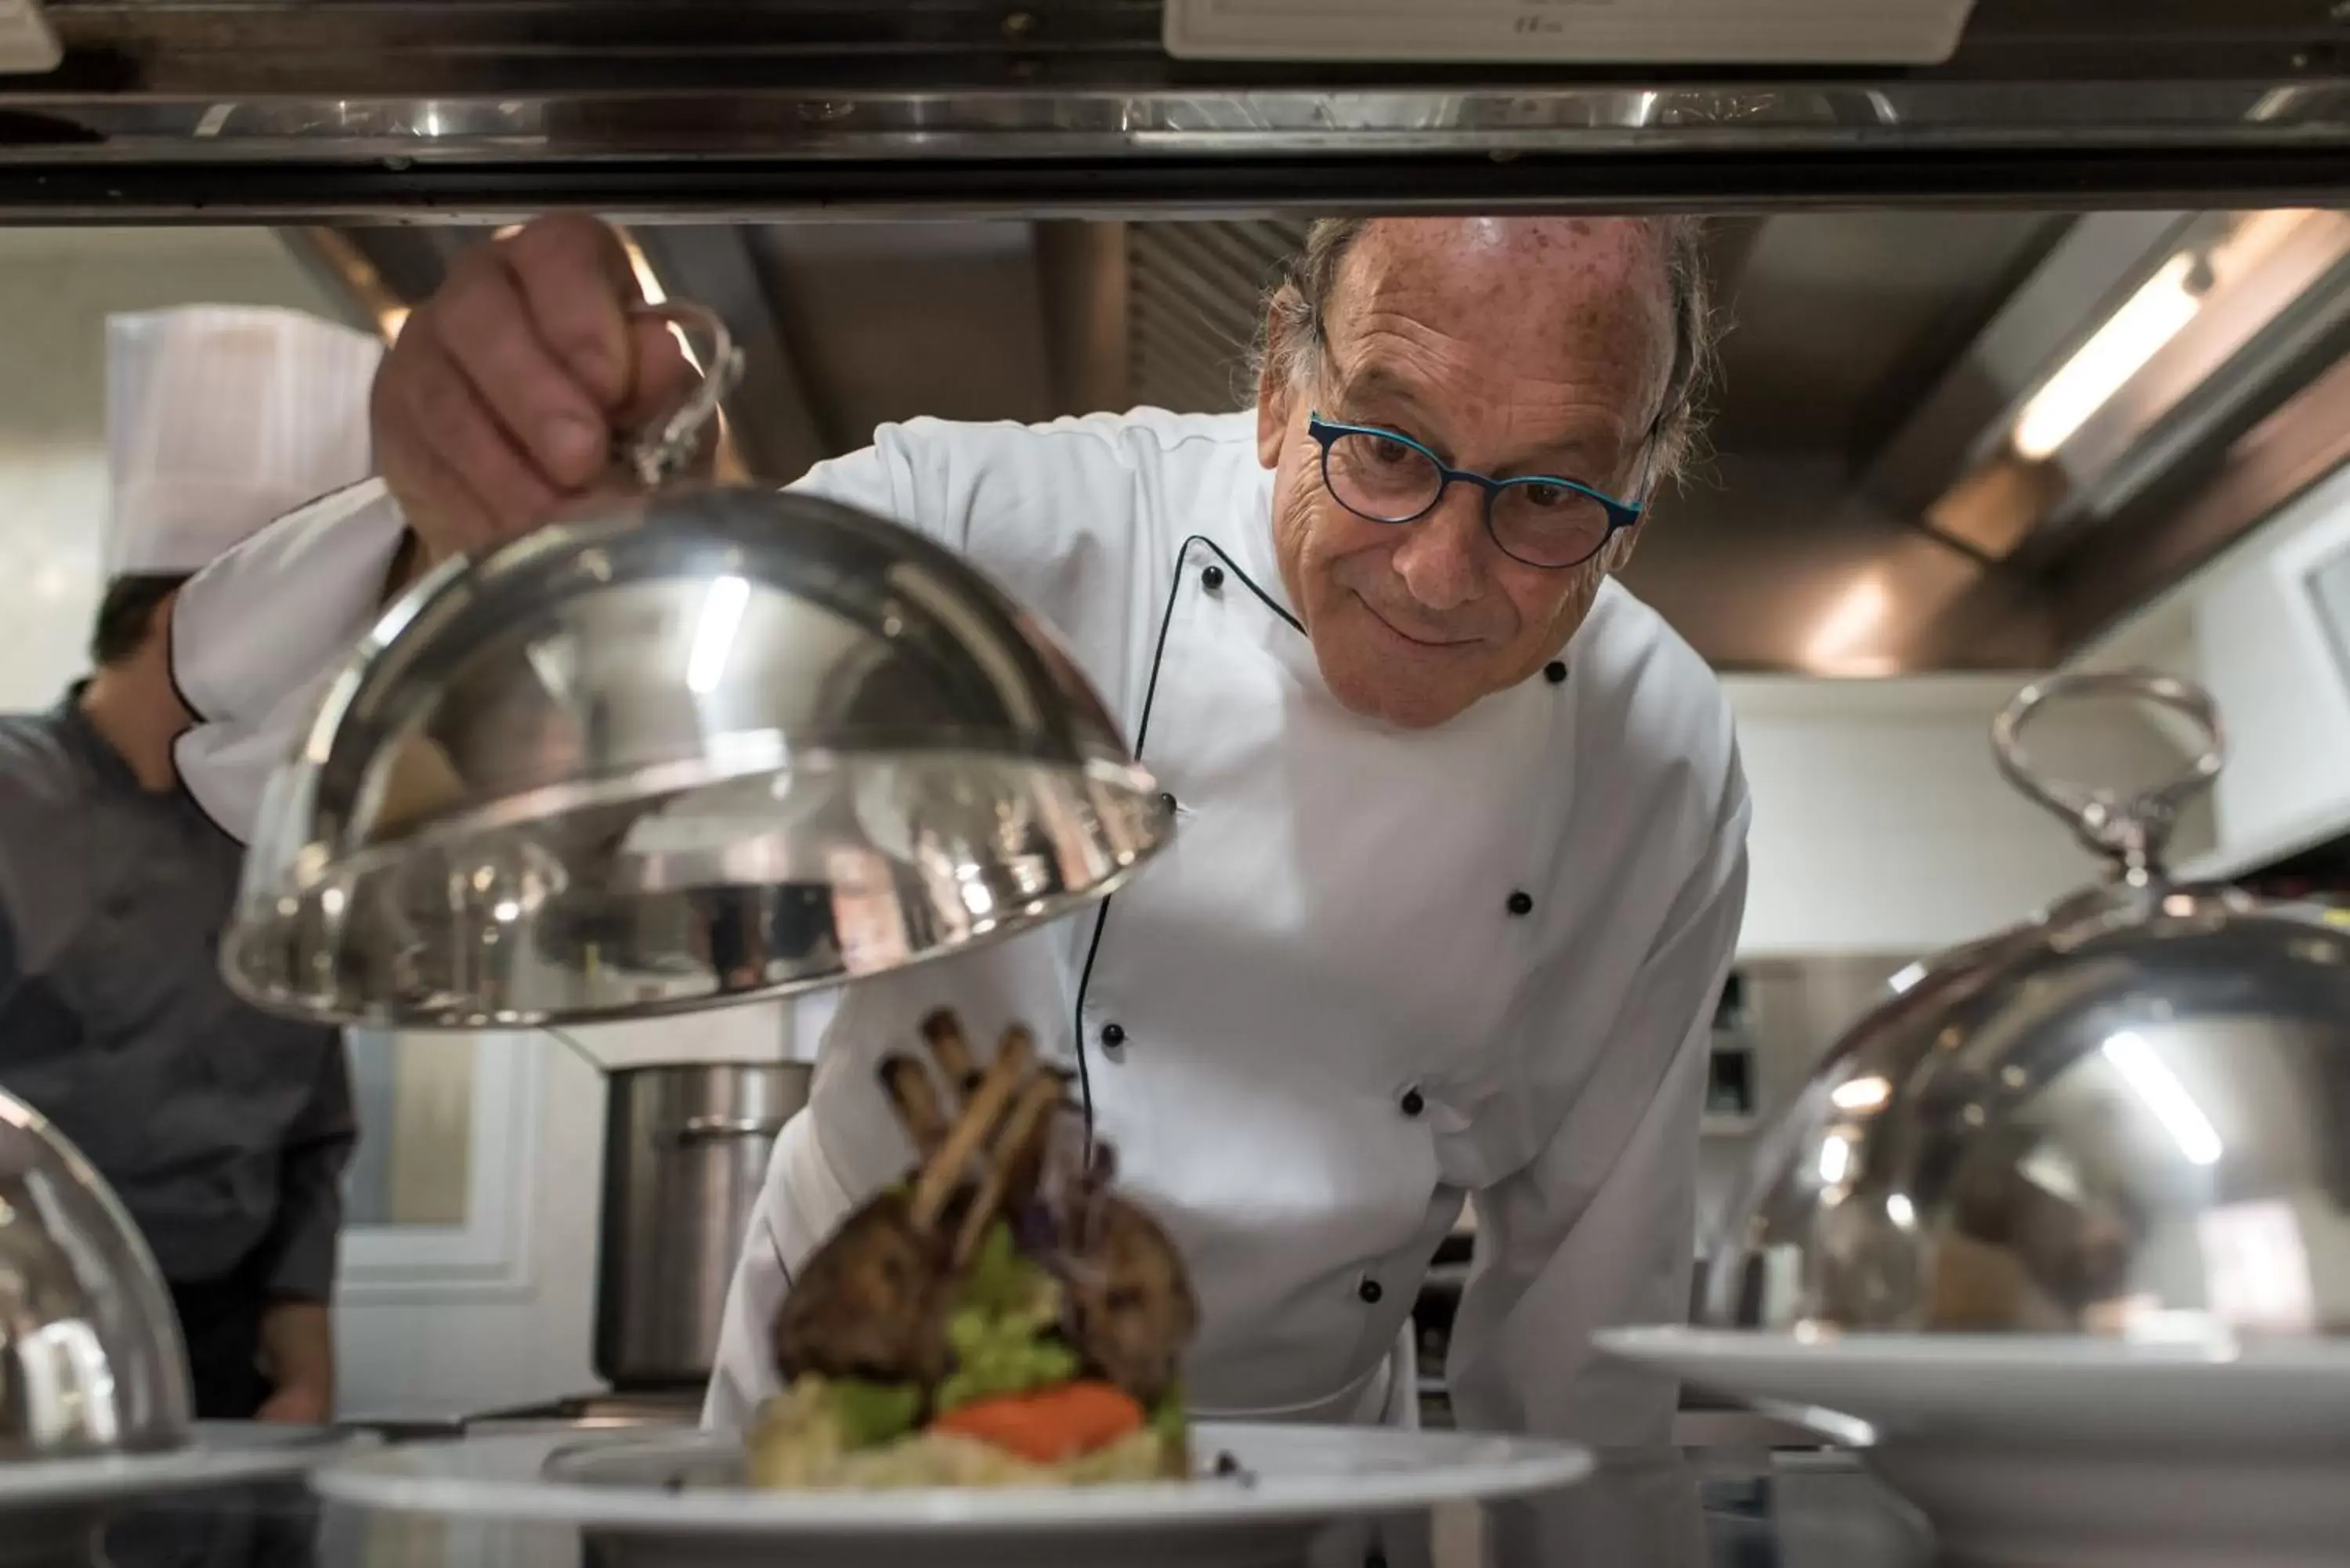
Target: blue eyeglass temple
(1620,514)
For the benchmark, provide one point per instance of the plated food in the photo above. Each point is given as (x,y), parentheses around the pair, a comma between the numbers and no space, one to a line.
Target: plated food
(1001,1317)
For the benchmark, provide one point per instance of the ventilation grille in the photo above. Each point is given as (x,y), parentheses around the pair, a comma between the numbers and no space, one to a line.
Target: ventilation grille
(1197,292)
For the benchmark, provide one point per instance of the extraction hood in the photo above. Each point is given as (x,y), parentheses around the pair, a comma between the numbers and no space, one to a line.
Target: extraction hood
(344,108)
(1921,248)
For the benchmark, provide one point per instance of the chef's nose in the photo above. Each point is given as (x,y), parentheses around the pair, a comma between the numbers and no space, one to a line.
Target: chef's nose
(1439,558)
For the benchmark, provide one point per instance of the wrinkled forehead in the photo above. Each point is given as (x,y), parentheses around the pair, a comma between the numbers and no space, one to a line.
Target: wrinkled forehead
(1584,302)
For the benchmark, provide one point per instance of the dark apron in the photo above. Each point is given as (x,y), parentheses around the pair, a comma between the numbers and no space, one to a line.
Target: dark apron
(220,1320)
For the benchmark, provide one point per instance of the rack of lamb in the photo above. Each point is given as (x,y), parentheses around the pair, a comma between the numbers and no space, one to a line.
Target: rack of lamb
(1001,1317)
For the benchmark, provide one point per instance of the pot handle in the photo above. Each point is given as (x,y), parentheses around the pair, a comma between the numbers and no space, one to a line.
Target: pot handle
(661,450)
(2133,831)
(721,1129)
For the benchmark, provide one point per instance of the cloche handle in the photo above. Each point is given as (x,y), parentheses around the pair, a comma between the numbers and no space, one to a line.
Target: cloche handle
(662,450)
(2131,831)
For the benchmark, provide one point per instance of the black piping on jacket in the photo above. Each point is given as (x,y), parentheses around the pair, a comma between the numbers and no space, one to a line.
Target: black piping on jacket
(1141,740)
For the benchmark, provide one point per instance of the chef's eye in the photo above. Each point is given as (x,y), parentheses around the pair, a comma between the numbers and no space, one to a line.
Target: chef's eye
(1544,495)
(1388,451)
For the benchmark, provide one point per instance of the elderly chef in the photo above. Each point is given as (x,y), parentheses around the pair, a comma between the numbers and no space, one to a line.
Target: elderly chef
(224,1129)
(1460,856)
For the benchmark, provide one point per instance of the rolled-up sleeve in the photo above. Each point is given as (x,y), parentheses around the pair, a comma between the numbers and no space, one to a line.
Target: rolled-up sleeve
(302,1243)
(257,636)
(259,621)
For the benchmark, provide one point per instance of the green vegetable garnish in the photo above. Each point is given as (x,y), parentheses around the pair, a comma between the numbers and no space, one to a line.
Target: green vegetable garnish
(1002,1283)
(1000,1357)
(872,1414)
(1168,1419)
(1000,1329)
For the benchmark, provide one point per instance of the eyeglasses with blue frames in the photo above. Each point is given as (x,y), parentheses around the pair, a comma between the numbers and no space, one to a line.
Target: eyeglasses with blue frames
(1540,519)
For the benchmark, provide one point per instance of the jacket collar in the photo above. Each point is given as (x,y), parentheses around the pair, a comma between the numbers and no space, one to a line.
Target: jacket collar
(90,749)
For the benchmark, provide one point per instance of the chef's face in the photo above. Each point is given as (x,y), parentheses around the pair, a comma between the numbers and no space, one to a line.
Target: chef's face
(1509,347)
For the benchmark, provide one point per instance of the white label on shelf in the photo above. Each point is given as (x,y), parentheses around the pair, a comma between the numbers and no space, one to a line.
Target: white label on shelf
(27,43)
(1539,32)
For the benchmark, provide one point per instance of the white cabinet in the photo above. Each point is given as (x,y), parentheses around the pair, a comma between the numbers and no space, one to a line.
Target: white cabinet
(437,1203)
(469,1250)
(2268,657)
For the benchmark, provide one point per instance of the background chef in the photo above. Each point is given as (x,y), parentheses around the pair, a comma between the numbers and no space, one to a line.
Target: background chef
(1461,858)
(225,1131)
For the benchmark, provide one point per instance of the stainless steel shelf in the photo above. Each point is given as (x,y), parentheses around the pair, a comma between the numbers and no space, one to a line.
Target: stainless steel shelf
(288,110)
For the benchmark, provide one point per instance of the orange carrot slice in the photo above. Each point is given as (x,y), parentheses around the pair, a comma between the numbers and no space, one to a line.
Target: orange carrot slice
(1048,1424)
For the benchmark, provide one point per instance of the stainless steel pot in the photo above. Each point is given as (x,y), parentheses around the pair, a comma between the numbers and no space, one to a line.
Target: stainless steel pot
(2130,1117)
(685,1154)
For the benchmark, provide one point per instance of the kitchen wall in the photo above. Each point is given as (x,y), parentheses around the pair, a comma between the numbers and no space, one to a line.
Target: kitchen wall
(1882,824)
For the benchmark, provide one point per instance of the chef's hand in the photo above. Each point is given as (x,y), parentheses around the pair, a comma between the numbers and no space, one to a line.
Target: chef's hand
(499,403)
(297,1356)
(298,1405)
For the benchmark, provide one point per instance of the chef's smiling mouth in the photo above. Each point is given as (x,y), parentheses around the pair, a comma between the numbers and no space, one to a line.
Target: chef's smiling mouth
(1416,641)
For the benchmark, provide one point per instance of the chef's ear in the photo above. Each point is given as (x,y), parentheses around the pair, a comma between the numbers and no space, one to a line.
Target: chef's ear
(1288,323)
(1647,481)
(1618,552)
(1271,416)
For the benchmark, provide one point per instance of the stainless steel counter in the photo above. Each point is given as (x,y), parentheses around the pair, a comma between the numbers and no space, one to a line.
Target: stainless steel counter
(597,1412)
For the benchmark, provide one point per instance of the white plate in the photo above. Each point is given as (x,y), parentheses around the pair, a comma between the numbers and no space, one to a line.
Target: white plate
(2079,1452)
(221,1453)
(2018,1388)
(1300,1477)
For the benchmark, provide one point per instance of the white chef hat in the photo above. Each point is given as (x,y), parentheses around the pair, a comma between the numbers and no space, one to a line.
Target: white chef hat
(220,418)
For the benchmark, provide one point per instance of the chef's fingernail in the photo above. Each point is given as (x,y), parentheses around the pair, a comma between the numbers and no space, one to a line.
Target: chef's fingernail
(573,444)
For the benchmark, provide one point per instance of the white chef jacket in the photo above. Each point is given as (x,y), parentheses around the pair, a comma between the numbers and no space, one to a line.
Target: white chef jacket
(1377,971)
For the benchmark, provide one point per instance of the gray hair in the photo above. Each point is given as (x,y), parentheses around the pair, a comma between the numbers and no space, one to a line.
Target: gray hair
(1291,338)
